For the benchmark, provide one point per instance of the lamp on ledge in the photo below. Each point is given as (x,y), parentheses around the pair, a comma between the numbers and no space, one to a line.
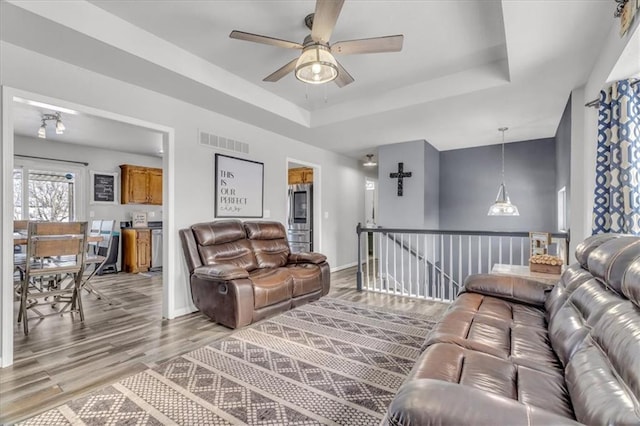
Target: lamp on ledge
(502,205)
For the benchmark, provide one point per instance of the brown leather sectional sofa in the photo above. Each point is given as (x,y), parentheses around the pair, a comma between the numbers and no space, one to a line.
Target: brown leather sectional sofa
(243,272)
(515,352)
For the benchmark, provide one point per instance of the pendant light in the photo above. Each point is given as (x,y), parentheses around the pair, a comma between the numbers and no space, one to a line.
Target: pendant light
(503,206)
(370,162)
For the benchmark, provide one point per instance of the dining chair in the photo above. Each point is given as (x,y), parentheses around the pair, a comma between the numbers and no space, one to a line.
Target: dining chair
(98,258)
(56,253)
(20,227)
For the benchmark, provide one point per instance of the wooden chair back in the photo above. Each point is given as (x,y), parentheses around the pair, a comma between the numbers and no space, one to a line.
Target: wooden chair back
(57,240)
(21,226)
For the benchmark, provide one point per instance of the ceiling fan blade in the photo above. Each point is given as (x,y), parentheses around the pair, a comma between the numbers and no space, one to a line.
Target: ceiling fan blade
(343,77)
(277,75)
(241,35)
(369,45)
(324,19)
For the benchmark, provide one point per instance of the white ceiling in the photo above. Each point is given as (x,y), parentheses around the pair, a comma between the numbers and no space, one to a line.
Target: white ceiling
(467,67)
(85,129)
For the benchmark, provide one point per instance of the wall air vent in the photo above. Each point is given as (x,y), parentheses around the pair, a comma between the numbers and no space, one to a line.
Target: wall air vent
(219,142)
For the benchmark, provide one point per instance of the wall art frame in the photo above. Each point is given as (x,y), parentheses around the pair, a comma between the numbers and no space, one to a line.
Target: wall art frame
(239,187)
(104,188)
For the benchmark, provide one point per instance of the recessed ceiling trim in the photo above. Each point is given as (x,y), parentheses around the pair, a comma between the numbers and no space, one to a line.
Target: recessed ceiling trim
(95,22)
(44,105)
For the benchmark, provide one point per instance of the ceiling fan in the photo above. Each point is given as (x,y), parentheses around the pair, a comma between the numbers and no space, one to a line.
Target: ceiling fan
(316,64)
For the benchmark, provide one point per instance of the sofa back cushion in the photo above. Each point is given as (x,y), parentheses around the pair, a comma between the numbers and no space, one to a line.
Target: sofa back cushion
(603,375)
(572,278)
(596,336)
(269,243)
(610,260)
(224,242)
(584,249)
(631,282)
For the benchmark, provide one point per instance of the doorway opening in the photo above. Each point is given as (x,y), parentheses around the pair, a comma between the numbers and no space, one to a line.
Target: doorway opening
(303,209)
(51,176)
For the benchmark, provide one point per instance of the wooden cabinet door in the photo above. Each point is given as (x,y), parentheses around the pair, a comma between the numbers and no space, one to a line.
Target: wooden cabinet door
(308,176)
(143,250)
(138,183)
(155,186)
(295,176)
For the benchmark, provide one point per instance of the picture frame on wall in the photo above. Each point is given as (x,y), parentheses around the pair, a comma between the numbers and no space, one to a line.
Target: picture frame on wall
(104,187)
(539,242)
(239,187)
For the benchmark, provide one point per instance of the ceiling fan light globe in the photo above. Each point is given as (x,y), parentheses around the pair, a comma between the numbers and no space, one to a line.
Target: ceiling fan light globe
(316,65)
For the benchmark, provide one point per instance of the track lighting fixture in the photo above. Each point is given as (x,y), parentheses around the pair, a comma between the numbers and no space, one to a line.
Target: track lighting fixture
(60,127)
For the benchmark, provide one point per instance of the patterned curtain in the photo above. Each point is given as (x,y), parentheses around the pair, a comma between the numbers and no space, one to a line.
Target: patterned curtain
(617,194)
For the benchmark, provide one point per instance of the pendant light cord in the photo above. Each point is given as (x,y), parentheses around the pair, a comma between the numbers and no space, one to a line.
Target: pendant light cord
(503,129)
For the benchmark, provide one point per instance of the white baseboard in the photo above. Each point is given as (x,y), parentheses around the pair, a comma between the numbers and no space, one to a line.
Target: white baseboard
(341,267)
(184,311)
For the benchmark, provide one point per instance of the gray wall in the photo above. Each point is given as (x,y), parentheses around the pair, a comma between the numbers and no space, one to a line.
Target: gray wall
(563,158)
(419,205)
(406,211)
(469,180)
(431,187)
(100,160)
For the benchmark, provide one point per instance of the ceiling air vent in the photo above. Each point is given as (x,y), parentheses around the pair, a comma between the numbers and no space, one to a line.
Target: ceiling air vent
(220,142)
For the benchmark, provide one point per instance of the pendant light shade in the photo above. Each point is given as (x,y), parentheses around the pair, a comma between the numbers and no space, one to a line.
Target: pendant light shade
(42,131)
(502,205)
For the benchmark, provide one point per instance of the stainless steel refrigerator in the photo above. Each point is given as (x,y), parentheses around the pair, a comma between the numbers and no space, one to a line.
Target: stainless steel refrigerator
(300,218)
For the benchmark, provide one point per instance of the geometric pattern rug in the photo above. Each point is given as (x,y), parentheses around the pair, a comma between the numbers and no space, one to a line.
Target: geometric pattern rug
(328,362)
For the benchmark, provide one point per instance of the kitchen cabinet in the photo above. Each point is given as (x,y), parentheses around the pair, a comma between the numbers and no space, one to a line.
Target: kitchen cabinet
(136,250)
(300,175)
(141,185)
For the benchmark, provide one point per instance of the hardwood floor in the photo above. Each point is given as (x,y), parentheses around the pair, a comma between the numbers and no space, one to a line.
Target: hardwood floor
(63,359)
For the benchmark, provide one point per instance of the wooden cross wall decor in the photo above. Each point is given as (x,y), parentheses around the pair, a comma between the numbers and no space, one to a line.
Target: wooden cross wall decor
(400,176)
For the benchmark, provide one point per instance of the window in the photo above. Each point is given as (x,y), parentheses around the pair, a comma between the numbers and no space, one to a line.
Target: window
(45,193)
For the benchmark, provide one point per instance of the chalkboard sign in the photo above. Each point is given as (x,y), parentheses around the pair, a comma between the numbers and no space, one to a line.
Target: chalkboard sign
(104,188)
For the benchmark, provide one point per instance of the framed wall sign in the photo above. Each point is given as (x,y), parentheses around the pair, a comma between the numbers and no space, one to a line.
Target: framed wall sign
(239,187)
(539,242)
(104,187)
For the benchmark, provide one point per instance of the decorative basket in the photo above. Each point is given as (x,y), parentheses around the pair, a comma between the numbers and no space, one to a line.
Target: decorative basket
(545,269)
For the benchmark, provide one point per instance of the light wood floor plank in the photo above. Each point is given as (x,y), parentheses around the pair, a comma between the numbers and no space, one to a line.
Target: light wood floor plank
(63,359)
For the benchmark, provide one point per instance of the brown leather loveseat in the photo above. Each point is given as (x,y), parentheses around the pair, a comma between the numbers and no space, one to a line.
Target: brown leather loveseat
(243,272)
(511,351)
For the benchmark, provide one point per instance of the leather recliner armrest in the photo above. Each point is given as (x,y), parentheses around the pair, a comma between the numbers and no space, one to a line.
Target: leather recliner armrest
(434,402)
(511,288)
(315,258)
(220,272)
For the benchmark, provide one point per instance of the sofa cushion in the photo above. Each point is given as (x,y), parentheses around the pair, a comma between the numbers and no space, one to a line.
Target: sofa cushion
(501,309)
(218,232)
(609,261)
(603,376)
(631,282)
(571,278)
(452,363)
(271,286)
(571,324)
(236,253)
(523,344)
(306,278)
(585,248)
(269,243)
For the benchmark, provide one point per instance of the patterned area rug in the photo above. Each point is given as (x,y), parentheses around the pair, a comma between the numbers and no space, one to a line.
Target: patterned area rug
(328,362)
